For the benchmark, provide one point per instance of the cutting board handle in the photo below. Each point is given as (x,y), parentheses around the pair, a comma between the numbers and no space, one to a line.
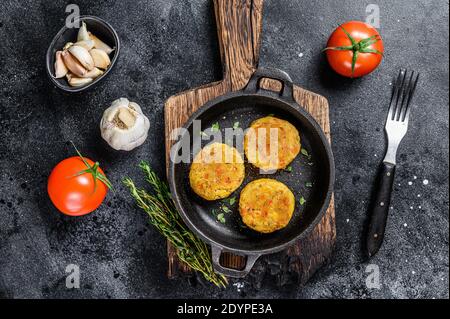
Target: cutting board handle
(239,24)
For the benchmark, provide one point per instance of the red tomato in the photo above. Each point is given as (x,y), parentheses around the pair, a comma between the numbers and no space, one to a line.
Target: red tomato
(367,45)
(75,195)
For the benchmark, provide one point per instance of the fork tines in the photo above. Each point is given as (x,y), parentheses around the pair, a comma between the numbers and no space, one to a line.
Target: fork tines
(404,88)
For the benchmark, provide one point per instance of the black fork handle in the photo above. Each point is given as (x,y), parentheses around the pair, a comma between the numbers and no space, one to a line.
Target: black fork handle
(380,208)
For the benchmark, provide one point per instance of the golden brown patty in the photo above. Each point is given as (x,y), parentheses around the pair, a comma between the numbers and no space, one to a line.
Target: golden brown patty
(288,143)
(266,205)
(217,171)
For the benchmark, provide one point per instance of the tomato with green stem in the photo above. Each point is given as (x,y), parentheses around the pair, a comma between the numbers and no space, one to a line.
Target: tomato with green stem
(77,185)
(354,49)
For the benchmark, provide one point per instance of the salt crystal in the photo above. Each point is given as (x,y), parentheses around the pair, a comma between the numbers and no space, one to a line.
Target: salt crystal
(410,183)
(425,182)
(405,224)
(300,55)
(415,177)
(239,286)
(348,220)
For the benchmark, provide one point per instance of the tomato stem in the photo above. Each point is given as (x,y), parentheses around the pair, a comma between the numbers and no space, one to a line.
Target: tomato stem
(93,170)
(357,47)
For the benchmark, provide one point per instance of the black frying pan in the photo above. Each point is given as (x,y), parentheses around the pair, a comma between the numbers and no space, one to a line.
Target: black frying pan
(245,106)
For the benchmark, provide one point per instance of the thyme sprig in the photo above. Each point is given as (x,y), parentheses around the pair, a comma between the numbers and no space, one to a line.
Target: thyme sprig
(165,218)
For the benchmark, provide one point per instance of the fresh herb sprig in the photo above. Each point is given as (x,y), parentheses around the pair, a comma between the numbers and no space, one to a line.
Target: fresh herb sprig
(164,217)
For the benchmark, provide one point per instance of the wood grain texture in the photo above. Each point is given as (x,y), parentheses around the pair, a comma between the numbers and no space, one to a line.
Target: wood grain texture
(239,24)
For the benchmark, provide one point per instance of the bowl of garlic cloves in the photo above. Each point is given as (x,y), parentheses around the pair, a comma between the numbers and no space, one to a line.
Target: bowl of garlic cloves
(78,58)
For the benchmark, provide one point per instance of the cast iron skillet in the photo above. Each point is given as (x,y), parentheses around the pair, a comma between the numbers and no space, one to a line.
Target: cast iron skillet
(246,106)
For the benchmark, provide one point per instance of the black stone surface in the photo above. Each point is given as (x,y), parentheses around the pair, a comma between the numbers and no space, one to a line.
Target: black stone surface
(169,46)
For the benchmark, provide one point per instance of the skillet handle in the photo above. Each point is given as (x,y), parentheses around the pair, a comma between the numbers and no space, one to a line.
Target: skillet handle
(287,87)
(230,272)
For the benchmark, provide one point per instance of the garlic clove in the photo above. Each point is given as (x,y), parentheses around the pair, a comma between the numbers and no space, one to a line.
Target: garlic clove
(83,56)
(123,125)
(99,44)
(83,34)
(76,82)
(60,67)
(72,64)
(67,45)
(101,58)
(127,117)
(94,73)
(87,44)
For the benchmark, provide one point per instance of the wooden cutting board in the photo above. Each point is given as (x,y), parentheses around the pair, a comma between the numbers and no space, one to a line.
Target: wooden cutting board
(239,24)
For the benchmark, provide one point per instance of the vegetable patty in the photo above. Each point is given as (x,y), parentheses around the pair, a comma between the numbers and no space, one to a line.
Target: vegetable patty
(257,143)
(266,205)
(217,171)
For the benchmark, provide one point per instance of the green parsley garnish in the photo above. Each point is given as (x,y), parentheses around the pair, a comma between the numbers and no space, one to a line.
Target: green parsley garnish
(235,125)
(302,200)
(221,218)
(288,169)
(304,152)
(226,209)
(308,184)
(215,127)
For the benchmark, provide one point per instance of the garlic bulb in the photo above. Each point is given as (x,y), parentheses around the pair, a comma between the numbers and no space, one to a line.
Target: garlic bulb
(123,125)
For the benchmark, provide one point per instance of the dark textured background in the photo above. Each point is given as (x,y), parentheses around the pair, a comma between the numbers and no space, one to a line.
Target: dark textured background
(169,46)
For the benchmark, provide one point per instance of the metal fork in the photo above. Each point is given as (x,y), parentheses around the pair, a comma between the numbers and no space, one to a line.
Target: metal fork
(395,128)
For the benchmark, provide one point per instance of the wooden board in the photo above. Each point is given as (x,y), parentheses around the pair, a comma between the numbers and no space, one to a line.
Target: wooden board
(239,24)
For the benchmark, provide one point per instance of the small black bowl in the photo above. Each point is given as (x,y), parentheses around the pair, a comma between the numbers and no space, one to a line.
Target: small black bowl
(102,29)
